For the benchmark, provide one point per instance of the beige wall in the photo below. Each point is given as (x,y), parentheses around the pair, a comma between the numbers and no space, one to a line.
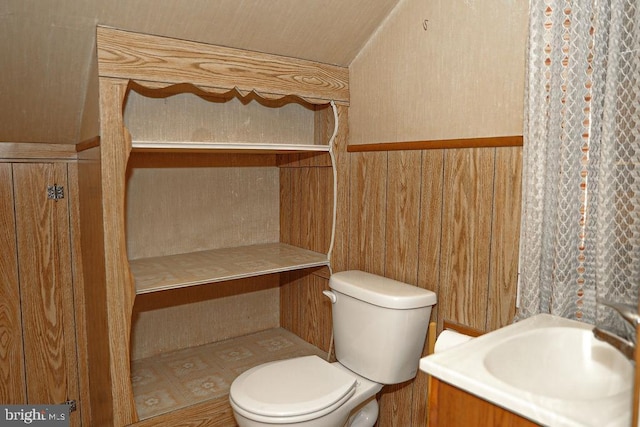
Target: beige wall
(461,77)
(90,123)
(441,219)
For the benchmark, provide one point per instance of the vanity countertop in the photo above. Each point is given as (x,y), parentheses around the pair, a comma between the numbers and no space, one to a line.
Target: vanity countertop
(545,368)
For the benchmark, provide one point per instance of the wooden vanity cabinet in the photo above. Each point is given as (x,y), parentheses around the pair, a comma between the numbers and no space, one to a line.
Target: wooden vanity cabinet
(302,239)
(450,406)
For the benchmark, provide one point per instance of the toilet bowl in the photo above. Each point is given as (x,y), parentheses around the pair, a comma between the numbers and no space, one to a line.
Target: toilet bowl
(304,391)
(379,326)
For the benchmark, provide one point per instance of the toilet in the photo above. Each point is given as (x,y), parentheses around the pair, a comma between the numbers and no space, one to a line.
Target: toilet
(379,328)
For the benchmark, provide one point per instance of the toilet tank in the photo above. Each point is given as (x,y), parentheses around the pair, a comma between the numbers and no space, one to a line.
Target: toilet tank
(379,325)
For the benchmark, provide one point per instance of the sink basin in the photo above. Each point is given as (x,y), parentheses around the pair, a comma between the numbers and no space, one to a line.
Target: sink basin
(539,361)
(546,368)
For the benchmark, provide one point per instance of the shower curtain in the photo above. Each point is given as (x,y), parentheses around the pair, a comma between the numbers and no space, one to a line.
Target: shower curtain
(580,238)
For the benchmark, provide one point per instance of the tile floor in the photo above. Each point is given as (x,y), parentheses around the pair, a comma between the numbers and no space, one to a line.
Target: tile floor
(185,377)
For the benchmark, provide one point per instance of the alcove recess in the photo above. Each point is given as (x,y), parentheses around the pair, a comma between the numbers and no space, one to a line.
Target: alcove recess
(203,228)
(206,217)
(218,180)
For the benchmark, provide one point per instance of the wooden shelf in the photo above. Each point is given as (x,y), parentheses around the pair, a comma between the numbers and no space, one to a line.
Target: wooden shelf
(197,268)
(227,147)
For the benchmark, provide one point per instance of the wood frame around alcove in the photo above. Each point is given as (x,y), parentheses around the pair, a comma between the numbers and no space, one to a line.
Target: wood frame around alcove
(160,63)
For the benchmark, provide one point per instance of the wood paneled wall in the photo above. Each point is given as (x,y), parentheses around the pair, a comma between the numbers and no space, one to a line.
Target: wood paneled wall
(12,370)
(306,217)
(445,220)
(91,265)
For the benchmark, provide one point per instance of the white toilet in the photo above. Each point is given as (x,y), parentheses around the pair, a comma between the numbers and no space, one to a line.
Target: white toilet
(379,328)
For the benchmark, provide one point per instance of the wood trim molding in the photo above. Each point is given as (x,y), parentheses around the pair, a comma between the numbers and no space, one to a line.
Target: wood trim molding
(494,141)
(460,328)
(27,151)
(87,144)
(151,60)
(36,150)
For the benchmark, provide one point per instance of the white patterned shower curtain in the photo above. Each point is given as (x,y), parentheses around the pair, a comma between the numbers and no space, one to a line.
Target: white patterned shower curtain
(580,241)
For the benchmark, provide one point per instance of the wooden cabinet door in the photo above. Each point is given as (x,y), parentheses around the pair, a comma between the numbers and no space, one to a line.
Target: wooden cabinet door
(46,293)
(450,406)
(12,381)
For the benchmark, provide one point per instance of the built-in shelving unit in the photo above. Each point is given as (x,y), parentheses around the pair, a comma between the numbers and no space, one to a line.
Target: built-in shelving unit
(180,276)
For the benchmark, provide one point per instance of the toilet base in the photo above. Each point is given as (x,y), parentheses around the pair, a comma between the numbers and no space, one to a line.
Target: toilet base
(334,419)
(361,410)
(365,415)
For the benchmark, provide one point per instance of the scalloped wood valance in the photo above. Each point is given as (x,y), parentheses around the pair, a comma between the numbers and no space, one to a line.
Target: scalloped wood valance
(156,62)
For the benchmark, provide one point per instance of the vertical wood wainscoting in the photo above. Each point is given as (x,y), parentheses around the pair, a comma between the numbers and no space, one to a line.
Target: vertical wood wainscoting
(306,218)
(442,219)
(38,346)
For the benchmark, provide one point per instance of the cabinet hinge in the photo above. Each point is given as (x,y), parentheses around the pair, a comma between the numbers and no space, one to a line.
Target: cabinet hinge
(72,405)
(55,192)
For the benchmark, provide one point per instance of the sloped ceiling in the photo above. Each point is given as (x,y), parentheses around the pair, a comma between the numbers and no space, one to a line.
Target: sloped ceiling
(47,46)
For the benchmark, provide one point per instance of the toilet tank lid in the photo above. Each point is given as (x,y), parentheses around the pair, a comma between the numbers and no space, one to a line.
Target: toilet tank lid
(381,291)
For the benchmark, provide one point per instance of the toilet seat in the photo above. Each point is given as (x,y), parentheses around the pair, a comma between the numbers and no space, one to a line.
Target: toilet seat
(292,390)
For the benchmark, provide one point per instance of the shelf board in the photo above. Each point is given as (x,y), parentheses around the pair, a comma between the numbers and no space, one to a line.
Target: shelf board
(226,147)
(217,265)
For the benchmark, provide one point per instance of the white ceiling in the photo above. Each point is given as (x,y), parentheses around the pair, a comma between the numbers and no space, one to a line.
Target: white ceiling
(46,46)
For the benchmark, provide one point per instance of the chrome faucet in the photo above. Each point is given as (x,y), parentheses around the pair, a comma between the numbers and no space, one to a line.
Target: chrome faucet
(627,345)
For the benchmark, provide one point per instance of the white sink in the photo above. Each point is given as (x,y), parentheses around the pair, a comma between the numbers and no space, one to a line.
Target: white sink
(562,363)
(545,368)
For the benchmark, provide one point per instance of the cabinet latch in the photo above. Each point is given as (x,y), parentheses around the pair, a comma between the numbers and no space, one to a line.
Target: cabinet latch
(55,192)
